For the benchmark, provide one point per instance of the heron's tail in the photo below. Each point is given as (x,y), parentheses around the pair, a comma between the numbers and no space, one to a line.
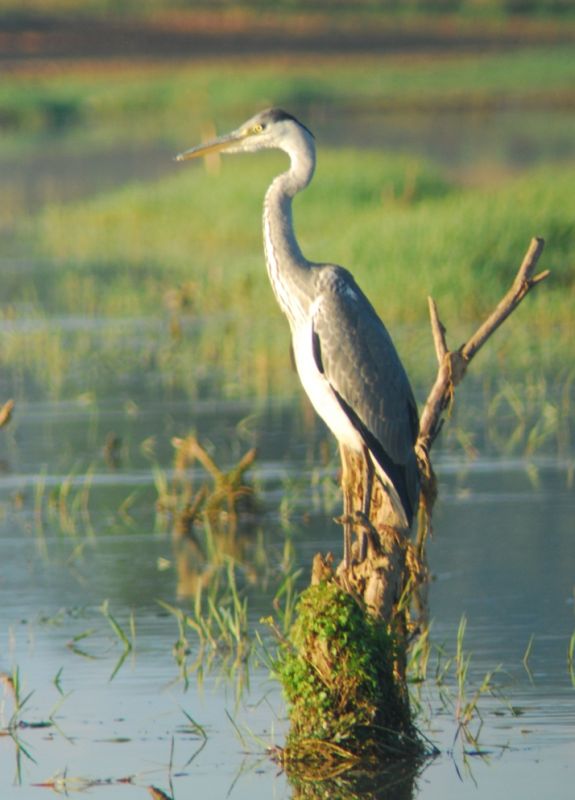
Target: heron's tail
(402,515)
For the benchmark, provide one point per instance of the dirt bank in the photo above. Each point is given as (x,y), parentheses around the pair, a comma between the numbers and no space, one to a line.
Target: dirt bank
(25,38)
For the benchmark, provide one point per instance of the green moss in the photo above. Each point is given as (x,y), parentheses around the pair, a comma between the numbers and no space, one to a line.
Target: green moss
(337,671)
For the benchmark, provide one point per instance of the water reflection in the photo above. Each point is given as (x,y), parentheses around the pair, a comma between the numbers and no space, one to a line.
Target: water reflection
(467,141)
(502,555)
(396,780)
(213,524)
(57,173)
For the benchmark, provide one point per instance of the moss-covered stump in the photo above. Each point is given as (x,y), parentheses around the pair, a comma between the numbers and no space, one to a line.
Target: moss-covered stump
(346,702)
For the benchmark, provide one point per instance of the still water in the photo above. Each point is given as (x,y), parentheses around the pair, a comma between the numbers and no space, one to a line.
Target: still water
(502,555)
(80,526)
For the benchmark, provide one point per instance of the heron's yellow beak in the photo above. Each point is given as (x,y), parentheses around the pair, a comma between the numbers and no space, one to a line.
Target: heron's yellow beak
(218,145)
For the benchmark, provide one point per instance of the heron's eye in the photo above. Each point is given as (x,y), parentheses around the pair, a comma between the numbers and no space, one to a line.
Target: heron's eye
(257,128)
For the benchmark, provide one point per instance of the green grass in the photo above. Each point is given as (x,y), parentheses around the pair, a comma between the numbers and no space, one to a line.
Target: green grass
(404,231)
(395,222)
(185,252)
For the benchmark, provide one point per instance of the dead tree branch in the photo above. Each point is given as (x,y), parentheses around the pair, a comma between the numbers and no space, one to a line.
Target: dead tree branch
(453,364)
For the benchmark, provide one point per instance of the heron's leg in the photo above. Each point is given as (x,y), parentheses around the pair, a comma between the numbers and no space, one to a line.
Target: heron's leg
(347,505)
(368,473)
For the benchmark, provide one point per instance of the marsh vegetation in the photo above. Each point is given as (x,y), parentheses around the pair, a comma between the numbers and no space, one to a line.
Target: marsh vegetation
(135,309)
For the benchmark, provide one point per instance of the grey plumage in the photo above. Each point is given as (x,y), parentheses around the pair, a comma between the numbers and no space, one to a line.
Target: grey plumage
(362,366)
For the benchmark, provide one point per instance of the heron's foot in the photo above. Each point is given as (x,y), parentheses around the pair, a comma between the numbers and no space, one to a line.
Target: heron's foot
(347,521)
(343,578)
(367,535)
(361,519)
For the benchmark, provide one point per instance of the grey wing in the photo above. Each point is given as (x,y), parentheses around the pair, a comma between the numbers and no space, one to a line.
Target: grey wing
(358,358)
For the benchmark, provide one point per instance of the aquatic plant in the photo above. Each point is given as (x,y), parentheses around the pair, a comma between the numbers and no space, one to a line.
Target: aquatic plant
(126,641)
(218,619)
(12,684)
(441,681)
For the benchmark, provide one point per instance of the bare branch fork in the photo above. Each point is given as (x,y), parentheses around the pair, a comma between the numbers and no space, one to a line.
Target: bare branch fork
(453,364)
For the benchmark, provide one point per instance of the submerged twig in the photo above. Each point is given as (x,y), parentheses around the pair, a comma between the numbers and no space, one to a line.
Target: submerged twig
(6,412)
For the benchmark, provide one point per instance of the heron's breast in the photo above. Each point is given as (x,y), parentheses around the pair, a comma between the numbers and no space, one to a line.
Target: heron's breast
(319,391)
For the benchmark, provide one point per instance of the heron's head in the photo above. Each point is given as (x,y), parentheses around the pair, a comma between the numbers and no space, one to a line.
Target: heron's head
(269,129)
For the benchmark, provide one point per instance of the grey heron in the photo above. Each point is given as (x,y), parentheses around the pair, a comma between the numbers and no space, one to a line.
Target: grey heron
(345,358)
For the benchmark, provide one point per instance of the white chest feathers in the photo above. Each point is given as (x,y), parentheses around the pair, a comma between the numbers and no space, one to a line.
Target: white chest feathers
(319,391)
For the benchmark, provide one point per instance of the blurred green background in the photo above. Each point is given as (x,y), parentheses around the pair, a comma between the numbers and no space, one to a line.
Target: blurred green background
(445,136)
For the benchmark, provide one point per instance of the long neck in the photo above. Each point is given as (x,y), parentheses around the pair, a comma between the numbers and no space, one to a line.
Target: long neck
(289,271)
